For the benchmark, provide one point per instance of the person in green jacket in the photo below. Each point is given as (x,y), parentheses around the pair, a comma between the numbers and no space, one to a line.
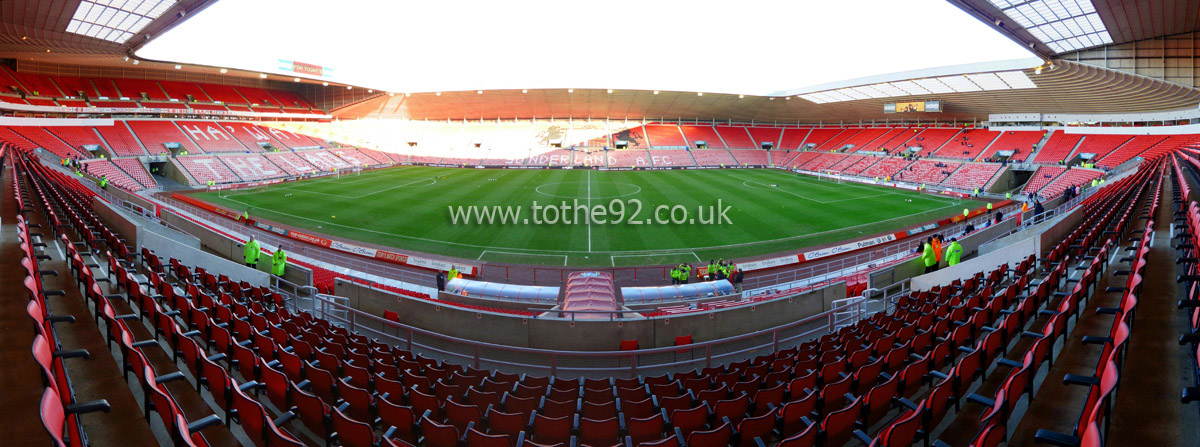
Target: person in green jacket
(954,253)
(278,262)
(251,253)
(929,257)
(453,273)
(674,275)
(687,273)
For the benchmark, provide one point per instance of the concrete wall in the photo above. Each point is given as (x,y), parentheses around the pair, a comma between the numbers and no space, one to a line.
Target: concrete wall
(564,334)
(916,267)
(193,257)
(1012,255)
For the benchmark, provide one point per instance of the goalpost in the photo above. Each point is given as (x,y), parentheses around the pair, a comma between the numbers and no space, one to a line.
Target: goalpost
(829,177)
(347,172)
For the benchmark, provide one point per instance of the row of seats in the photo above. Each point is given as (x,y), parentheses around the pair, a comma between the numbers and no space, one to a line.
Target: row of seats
(1189,303)
(115,175)
(73,87)
(927,172)
(972,176)
(1020,142)
(967,145)
(1069,179)
(1042,177)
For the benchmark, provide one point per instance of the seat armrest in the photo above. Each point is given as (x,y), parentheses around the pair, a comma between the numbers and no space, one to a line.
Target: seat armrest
(210,421)
(88,407)
(1055,438)
(1077,379)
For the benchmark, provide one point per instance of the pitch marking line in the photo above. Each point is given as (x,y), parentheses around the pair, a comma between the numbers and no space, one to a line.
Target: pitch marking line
(485,252)
(613,258)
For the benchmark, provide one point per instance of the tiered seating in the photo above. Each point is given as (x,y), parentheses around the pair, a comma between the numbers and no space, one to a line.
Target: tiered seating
(45,140)
(885,141)
(37,85)
(377,156)
(251,136)
(290,99)
(827,391)
(72,103)
(929,140)
(837,141)
(212,136)
(204,168)
(818,136)
(664,135)
(927,172)
(155,134)
(104,88)
(290,162)
(281,138)
(121,141)
(165,105)
(182,90)
(1070,178)
(792,138)
(1170,144)
(823,162)
(1099,145)
(135,88)
(195,106)
(425,159)
(848,161)
(866,137)
(967,145)
(971,176)
(557,157)
(801,158)
(1042,177)
(757,157)
(628,158)
(666,158)
(224,93)
(1058,147)
(75,87)
(76,137)
(702,133)
(594,158)
(1022,142)
(135,169)
(1189,302)
(888,167)
(356,158)
(860,165)
(258,96)
(757,136)
(323,160)
(115,176)
(1129,150)
(40,101)
(251,167)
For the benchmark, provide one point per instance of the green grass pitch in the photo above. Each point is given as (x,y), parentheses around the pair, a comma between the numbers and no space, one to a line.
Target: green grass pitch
(770,211)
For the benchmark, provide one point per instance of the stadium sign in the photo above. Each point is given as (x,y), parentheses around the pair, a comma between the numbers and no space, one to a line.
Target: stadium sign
(769,263)
(848,247)
(305,69)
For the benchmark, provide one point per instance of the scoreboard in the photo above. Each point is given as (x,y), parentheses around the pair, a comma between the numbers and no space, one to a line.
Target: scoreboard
(914,106)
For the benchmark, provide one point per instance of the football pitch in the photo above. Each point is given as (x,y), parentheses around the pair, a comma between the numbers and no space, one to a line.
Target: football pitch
(587,217)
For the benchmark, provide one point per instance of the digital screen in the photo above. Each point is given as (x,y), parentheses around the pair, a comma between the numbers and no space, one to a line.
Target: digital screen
(912,106)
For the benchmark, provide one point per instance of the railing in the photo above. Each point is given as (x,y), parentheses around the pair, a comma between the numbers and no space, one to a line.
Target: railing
(598,364)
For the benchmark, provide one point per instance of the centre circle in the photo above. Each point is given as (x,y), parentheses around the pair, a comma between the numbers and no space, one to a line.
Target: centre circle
(622,190)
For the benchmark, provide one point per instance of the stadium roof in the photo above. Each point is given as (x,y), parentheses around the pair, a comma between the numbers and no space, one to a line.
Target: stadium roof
(1054,27)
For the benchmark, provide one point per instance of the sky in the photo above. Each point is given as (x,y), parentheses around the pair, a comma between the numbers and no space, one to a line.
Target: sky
(733,46)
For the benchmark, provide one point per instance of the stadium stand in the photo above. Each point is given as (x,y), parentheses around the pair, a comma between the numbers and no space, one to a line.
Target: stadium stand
(1071,178)
(861,164)
(715,157)
(117,177)
(706,134)
(1021,142)
(250,135)
(224,94)
(137,170)
(1130,149)
(105,89)
(589,158)
(325,161)
(121,141)
(837,141)
(202,107)
(1058,147)
(76,137)
(557,157)
(40,101)
(184,91)
(801,158)
(822,162)
(74,87)
(1158,149)
(72,103)
(356,158)
(140,89)
(930,139)
(865,137)
(1100,144)
(204,168)
(884,141)
(212,136)
(1042,177)
(40,137)
(258,96)
(888,167)
(728,137)
(971,176)
(628,158)
(805,136)
(667,158)
(155,135)
(848,161)
(251,167)
(290,162)
(967,145)
(927,172)
(664,135)
(790,138)
(758,136)
(750,157)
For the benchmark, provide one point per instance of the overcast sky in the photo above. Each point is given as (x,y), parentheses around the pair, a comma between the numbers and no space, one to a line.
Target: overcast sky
(731,46)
